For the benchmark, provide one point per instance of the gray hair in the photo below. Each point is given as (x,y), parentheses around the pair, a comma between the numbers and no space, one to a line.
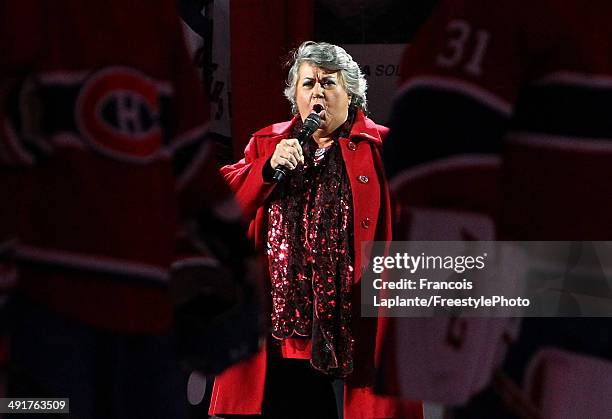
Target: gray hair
(333,58)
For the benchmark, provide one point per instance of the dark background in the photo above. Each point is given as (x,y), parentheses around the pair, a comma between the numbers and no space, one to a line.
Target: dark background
(369,22)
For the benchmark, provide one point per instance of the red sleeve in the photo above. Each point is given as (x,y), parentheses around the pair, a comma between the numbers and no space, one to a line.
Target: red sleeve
(246,177)
(199,183)
(210,214)
(21,44)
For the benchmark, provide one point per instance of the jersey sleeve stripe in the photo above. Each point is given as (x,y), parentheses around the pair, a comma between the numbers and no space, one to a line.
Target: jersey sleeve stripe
(462,87)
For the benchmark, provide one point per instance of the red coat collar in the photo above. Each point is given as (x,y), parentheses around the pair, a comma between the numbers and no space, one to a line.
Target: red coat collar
(363,128)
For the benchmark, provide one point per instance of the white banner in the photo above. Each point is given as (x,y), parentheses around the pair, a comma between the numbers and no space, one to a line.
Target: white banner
(221,84)
(380,64)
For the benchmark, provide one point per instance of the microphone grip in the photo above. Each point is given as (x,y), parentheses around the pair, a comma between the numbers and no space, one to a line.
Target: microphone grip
(311,124)
(279,174)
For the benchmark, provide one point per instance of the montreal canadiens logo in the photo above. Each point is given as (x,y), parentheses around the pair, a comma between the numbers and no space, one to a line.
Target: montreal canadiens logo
(118,113)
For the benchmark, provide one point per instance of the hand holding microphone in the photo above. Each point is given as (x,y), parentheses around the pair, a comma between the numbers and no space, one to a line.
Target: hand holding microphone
(288,153)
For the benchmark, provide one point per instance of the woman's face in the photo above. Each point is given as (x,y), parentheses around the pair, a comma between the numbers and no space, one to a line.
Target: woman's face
(322,91)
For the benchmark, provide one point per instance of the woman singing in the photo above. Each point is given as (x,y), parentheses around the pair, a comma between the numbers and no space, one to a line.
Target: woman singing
(311,224)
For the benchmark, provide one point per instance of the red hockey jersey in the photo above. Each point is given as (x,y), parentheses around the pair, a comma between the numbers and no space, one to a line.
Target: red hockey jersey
(529,79)
(481,71)
(101,104)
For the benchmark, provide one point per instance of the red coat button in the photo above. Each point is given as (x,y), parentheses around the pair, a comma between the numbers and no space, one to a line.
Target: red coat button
(365,223)
(363,179)
(351,146)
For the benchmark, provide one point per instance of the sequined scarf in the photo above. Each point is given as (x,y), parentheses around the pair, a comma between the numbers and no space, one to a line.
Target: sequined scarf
(310,252)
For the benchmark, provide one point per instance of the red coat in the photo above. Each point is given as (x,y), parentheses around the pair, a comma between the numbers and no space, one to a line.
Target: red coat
(239,390)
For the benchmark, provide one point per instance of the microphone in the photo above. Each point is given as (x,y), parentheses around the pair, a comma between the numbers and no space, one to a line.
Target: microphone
(311,124)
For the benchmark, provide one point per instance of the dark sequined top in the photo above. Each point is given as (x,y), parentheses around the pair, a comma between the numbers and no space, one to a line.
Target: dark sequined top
(310,251)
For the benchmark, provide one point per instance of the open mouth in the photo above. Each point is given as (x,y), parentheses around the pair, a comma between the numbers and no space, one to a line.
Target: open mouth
(318,108)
